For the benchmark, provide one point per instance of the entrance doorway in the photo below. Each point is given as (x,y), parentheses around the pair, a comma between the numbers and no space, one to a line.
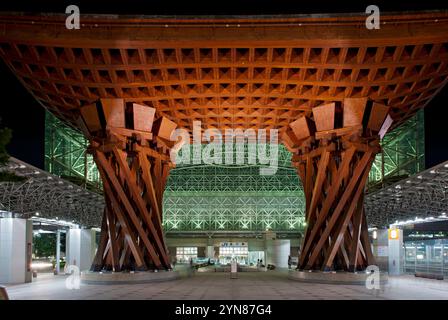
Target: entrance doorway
(229,251)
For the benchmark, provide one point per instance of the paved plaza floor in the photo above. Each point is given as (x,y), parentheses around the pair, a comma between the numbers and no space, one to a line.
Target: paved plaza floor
(210,286)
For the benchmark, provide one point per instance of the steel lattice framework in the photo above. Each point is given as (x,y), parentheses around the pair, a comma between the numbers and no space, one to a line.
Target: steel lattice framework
(66,156)
(424,194)
(402,154)
(49,195)
(234,198)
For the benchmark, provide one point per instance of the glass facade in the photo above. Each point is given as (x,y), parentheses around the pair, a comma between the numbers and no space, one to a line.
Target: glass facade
(234,197)
(238,252)
(66,156)
(428,256)
(185,254)
(402,154)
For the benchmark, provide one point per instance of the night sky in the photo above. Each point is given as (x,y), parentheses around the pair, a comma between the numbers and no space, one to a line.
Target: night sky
(20,112)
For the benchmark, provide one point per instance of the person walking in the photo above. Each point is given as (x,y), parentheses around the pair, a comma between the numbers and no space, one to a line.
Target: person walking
(191,269)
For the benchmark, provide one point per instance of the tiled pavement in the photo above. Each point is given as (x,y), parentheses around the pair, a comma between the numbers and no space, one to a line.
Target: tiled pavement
(252,286)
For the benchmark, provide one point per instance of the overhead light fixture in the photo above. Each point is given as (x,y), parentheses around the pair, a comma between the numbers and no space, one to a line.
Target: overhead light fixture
(41,265)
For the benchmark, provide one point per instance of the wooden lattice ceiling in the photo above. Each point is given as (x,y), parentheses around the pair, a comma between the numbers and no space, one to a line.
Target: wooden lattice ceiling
(229,73)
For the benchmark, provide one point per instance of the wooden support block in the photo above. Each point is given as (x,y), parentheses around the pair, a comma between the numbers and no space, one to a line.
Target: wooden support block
(113,110)
(324,116)
(377,116)
(385,127)
(354,109)
(163,143)
(110,146)
(130,133)
(163,127)
(143,117)
(339,132)
(90,116)
(82,125)
(290,140)
(302,128)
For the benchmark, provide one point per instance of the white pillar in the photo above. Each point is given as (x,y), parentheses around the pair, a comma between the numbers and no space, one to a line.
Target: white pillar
(380,249)
(16,240)
(210,252)
(395,251)
(80,247)
(210,249)
(58,251)
(277,252)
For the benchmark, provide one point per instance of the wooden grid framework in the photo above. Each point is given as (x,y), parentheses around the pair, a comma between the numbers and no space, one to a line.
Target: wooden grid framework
(259,73)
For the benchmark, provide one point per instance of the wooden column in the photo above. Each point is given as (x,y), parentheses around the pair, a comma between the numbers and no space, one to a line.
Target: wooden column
(133,160)
(333,152)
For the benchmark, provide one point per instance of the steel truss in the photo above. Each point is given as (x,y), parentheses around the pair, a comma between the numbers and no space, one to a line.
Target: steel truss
(232,197)
(402,154)
(49,195)
(423,195)
(66,156)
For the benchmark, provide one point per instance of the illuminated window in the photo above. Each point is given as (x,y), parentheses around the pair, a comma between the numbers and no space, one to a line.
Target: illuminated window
(184,254)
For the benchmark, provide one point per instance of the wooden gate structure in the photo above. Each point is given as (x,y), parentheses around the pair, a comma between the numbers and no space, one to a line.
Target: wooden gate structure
(329,85)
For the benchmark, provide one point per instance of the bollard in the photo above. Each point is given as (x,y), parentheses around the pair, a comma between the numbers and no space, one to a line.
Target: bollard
(3,293)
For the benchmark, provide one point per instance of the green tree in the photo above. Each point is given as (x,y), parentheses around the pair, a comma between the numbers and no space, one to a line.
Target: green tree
(5,138)
(44,244)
